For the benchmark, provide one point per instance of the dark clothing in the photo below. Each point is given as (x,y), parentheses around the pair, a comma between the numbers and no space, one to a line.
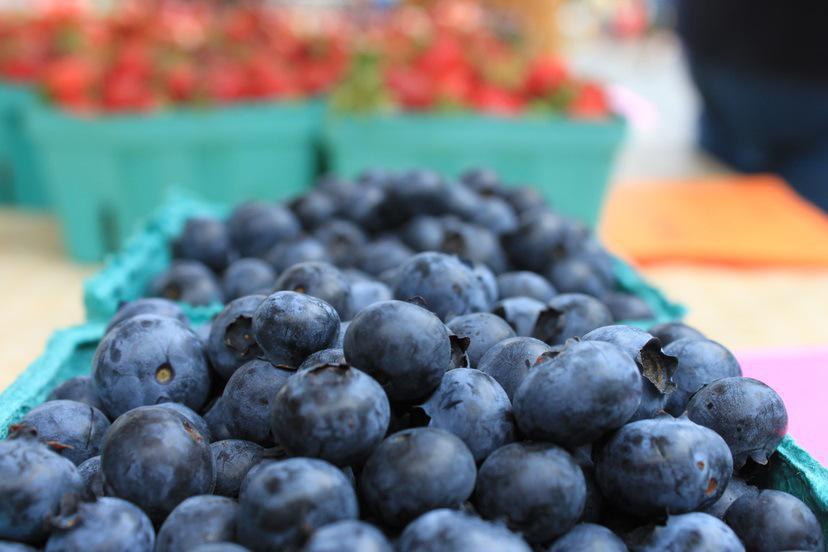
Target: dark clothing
(776,37)
(761,68)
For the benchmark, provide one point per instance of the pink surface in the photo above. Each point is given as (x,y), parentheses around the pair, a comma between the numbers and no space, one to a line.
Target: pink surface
(800,376)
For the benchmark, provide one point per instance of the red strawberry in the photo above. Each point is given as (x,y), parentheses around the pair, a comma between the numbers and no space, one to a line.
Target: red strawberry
(590,103)
(411,88)
(68,79)
(126,91)
(181,82)
(491,99)
(544,76)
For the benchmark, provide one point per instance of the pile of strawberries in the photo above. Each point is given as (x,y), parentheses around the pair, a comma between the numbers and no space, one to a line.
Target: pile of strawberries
(150,54)
(453,56)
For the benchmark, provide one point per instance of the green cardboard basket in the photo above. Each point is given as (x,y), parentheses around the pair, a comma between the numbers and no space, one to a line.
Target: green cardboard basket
(127,274)
(569,161)
(105,173)
(20,181)
(69,353)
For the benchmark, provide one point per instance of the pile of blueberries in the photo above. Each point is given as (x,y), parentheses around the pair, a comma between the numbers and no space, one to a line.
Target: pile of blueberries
(406,364)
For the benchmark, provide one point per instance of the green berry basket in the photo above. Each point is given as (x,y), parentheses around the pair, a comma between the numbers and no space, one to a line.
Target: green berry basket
(20,181)
(127,274)
(568,160)
(69,353)
(105,173)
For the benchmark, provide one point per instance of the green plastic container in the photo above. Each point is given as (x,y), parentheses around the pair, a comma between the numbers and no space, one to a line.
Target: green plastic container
(569,161)
(20,181)
(105,173)
(127,274)
(69,353)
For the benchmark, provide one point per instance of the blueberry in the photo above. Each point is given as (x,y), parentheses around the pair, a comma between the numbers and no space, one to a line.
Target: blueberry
(748,414)
(294,325)
(8,546)
(101,526)
(700,361)
(364,294)
(650,467)
(205,240)
(301,250)
(453,531)
(588,536)
(325,356)
(524,198)
(281,503)
(189,282)
(483,181)
(416,192)
(525,284)
(382,254)
(414,471)
(218,421)
(364,205)
(594,505)
(342,238)
(627,306)
(231,342)
(734,490)
(198,520)
(510,360)
(537,240)
(90,472)
(77,427)
(219,547)
(487,279)
(461,201)
(404,347)
(449,287)
(314,208)
(575,274)
(332,412)
(520,312)
(577,396)
(774,520)
(147,305)
(424,233)
(233,458)
(473,406)
(657,369)
(199,423)
(536,488)
(33,480)
(475,244)
(247,276)
(495,214)
(149,359)
(79,388)
(247,400)
(155,458)
(673,331)
(255,228)
(484,331)
(340,339)
(348,536)
(570,315)
(321,280)
(693,531)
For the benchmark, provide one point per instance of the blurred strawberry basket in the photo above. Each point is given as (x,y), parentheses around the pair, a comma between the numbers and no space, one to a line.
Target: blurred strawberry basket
(568,160)
(105,173)
(20,182)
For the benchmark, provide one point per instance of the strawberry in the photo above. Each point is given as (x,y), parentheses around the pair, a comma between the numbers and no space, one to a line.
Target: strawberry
(590,102)
(544,76)
(411,88)
(497,101)
(69,79)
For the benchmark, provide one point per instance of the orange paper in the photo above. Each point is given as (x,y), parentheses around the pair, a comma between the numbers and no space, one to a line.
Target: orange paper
(734,220)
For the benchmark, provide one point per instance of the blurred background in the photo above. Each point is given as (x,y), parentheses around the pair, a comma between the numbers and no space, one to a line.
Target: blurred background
(692,136)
